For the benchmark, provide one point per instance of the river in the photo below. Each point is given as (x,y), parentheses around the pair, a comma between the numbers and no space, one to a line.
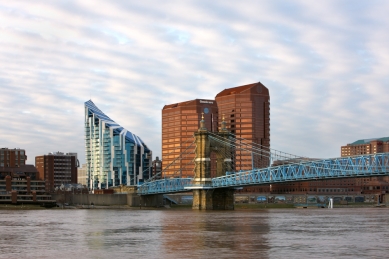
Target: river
(176,233)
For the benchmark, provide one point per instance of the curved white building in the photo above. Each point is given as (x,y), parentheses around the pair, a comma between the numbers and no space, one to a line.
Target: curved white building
(114,155)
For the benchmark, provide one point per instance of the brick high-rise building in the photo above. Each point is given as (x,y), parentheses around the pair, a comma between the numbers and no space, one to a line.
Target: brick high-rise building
(247,113)
(12,157)
(179,122)
(57,169)
(246,110)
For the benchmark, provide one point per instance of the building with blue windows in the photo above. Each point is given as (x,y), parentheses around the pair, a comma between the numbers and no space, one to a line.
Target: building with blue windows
(114,155)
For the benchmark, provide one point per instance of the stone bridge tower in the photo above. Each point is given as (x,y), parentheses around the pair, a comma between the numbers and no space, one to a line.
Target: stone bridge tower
(204,196)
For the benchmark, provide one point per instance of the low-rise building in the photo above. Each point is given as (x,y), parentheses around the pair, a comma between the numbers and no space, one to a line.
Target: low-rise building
(20,185)
(366,146)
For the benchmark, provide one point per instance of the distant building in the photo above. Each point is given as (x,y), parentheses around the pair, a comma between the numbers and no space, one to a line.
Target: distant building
(345,186)
(114,155)
(12,157)
(366,146)
(179,122)
(156,168)
(82,176)
(57,168)
(369,185)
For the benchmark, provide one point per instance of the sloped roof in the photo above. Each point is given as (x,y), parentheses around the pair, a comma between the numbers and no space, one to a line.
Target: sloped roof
(112,124)
(365,141)
(238,89)
(174,105)
(186,103)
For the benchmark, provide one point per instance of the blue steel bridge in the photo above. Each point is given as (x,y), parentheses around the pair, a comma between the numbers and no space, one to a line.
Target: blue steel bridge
(247,160)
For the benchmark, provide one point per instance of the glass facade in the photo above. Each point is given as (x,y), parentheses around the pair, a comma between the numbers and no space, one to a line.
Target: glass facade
(114,156)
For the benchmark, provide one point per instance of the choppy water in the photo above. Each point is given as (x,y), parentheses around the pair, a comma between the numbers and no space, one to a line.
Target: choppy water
(277,233)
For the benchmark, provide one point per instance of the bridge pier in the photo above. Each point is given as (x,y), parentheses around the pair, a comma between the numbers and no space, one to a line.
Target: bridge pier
(205,197)
(202,199)
(213,199)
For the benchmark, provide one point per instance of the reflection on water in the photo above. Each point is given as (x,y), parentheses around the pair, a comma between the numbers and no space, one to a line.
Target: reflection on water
(215,234)
(278,233)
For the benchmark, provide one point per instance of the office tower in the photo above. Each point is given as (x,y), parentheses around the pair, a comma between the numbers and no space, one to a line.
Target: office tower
(179,122)
(114,155)
(247,113)
(57,168)
(366,146)
(12,157)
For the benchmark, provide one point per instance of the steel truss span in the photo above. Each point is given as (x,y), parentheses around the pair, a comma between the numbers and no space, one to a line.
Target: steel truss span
(169,185)
(345,167)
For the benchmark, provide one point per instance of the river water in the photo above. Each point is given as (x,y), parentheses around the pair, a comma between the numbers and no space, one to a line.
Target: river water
(272,233)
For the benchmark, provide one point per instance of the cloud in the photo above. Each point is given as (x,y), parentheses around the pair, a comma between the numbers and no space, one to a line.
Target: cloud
(325,65)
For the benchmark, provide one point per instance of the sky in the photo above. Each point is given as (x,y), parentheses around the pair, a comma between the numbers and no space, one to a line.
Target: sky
(325,63)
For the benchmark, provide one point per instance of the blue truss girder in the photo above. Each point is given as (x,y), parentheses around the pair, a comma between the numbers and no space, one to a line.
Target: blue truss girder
(169,185)
(344,167)
(366,165)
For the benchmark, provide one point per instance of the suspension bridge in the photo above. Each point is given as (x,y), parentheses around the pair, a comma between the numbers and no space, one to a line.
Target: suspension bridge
(240,163)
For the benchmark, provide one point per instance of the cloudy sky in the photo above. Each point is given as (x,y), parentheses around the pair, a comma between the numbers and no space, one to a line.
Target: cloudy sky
(326,64)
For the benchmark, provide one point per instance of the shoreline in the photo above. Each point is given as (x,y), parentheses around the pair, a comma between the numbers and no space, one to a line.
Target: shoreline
(184,207)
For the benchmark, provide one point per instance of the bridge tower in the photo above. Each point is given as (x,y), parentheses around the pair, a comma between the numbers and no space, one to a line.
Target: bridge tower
(204,196)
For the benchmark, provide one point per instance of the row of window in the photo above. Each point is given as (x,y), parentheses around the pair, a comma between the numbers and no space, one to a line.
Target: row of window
(335,190)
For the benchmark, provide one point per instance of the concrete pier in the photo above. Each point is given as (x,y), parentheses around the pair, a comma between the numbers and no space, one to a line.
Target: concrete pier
(205,197)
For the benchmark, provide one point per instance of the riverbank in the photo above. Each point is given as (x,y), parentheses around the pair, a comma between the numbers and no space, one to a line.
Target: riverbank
(239,206)
(22,207)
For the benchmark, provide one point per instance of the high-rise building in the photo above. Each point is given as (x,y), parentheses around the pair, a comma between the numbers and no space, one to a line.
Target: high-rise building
(82,176)
(179,122)
(366,146)
(247,113)
(57,168)
(246,110)
(12,157)
(114,155)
